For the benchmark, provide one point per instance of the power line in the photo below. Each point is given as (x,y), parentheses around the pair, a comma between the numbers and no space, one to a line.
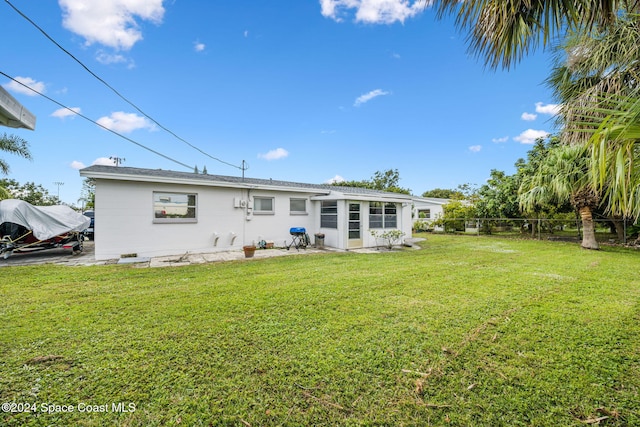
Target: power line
(98,124)
(115,91)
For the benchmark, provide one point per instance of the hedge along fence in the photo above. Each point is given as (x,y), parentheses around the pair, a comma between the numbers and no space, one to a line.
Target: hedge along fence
(618,230)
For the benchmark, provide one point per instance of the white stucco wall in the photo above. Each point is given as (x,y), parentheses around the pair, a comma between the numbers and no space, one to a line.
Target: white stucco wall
(435,206)
(339,238)
(125,220)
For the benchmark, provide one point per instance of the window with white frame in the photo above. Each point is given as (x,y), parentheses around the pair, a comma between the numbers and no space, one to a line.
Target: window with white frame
(424,213)
(329,214)
(383,215)
(174,207)
(376,215)
(263,205)
(297,206)
(390,215)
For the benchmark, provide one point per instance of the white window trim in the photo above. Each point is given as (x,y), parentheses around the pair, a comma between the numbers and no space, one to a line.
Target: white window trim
(173,220)
(306,204)
(260,212)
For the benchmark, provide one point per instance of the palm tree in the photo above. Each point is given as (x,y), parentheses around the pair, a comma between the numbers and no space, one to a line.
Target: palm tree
(504,30)
(15,145)
(597,80)
(564,177)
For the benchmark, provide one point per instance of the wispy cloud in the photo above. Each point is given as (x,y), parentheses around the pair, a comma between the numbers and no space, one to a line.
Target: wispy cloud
(530,136)
(77,165)
(373,11)
(551,109)
(107,58)
(15,86)
(362,99)
(104,161)
(500,140)
(278,153)
(110,23)
(335,179)
(475,148)
(125,122)
(61,113)
(199,47)
(529,117)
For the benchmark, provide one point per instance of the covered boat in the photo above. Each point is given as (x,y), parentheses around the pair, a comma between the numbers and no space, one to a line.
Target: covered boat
(26,227)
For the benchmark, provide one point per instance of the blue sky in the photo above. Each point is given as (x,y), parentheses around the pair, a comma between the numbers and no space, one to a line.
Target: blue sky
(305,91)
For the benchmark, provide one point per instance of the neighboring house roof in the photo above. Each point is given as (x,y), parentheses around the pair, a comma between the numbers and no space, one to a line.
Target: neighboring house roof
(323,191)
(430,201)
(13,114)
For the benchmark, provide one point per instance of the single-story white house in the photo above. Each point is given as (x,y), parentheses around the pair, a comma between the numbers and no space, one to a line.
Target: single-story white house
(428,209)
(155,212)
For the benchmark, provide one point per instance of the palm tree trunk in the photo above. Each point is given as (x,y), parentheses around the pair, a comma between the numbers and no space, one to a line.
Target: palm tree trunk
(588,230)
(618,223)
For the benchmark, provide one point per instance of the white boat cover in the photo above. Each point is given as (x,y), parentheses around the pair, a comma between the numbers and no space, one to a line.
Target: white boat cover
(45,222)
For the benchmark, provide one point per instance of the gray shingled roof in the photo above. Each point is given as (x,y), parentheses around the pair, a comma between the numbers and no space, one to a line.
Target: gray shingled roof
(162,173)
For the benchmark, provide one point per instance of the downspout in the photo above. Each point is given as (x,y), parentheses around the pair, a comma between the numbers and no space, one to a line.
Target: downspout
(246,217)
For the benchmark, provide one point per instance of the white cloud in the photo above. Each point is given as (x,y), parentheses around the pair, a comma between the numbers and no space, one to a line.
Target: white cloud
(77,165)
(110,58)
(111,23)
(373,11)
(26,81)
(125,122)
(475,148)
(551,109)
(246,33)
(65,112)
(500,140)
(103,161)
(335,179)
(529,136)
(529,117)
(278,153)
(369,96)
(199,47)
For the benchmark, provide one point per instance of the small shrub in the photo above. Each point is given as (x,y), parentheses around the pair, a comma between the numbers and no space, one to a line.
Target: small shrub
(390,237)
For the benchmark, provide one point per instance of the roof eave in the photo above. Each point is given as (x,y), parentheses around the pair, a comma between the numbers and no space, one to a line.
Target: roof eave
(197,182)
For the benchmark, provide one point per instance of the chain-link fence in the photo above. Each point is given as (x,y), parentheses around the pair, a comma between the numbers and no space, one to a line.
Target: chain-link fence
(623,231)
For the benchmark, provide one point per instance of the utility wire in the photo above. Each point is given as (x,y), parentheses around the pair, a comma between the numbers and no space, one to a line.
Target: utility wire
(115,91)
(98,124)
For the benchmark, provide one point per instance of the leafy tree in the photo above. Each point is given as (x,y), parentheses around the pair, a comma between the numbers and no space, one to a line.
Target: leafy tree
(30,192)
(498,198)
(388,180)
(88,193)
(455,214)
(443,193)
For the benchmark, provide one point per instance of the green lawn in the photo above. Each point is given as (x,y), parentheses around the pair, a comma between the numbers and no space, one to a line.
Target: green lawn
(468,331)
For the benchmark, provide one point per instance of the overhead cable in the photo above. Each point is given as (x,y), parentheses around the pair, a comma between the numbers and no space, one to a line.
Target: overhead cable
(98,124)
(115,91)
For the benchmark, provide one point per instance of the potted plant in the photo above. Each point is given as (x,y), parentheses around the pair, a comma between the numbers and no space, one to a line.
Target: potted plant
(249,250)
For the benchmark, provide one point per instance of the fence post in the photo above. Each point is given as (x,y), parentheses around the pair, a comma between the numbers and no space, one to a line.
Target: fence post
(539,229)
